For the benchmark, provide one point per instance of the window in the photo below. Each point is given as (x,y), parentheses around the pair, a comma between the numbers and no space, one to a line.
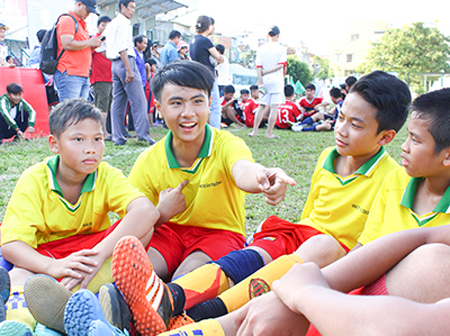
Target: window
(354,37)
(349,58)
(337,58)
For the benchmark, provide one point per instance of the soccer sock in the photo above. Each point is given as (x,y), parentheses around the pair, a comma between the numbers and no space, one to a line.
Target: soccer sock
(208,281)
(309,129)
(307,121)
(17,309)
(207,327)
(255,285)
(103,276)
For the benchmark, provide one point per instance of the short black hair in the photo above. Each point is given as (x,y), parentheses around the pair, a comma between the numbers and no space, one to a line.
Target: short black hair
(40,34)
(288,90)
(254,88)
(104,18)
(335,92)
(151,61)
(125,3)
(434,107)
(350,81)
(189,74)
(229,89)
(310,86)
(139,39)
(389,95)
(14,88)
(245,91)
(71,112)
(8,58)
(220,48)
(174,34)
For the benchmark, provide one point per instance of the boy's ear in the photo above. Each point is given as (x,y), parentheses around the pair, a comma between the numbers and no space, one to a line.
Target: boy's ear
(386,137)
(158,107)
(53,143)
(446,161)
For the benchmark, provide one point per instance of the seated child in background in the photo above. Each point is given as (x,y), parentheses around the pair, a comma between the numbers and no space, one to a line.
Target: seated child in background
(309,105)
(231,111)
(416,196)
(251,105)
(16,115)
(310,124)
(288,113)
(57,222)
(344,184)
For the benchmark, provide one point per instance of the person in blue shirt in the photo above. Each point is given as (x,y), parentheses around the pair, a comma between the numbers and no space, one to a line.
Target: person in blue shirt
(169,53)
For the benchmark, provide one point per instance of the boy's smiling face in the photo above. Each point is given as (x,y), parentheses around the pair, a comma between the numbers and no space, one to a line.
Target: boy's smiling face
(80,148)
(356,128)
(185,111)
(418,155)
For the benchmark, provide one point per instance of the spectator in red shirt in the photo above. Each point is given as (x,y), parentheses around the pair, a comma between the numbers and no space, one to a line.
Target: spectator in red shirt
(288,113)
(309,105)
(101,77)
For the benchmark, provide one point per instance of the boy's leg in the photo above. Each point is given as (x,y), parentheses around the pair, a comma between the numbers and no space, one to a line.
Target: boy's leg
(272,119)
(260,112)
(422,276)
(192,262)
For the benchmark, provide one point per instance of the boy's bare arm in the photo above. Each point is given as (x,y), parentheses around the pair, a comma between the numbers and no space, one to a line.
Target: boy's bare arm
(24,256)
(255,178)
(171,202)
(335,313)
(276,68)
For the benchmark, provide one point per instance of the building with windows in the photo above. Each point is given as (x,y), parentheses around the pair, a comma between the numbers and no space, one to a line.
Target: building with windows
(349,51)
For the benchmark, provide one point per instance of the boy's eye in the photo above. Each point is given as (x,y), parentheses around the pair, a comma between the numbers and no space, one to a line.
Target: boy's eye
(356,126)
(78,139)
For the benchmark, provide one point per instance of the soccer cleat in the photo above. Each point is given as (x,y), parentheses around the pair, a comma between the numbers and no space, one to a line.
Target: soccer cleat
(114,306)
(42,330)
(10,327)
(179,321)
(297,128)
(5,288)
(82,309)
(147,295)
(46,299)
(100,328)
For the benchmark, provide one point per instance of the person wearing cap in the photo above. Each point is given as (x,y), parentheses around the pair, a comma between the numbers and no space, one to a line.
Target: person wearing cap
(271,60)
(169,53)
(16,114)
(3,48)
(127,81)
(183,50)
(72,72)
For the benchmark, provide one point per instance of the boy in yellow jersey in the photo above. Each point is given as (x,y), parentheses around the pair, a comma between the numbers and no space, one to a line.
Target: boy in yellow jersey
(344,184)
(57,222)
(417,196)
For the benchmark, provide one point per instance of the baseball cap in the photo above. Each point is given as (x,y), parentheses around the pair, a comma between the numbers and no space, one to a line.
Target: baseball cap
(274,31)
(157,43)
(91,5)
(2,25)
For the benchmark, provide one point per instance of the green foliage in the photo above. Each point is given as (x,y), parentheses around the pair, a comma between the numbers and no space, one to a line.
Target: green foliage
(299,70)
(325,70)
(296,153)
(410,51)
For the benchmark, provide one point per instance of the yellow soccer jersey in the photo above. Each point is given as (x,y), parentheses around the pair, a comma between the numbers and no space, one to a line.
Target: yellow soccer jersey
(37,213)
(339,206)
(212,198)
(392,209)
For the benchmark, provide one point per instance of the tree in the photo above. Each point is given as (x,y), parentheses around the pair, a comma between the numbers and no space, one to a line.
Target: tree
(299,70)
(324,66)
(410,52)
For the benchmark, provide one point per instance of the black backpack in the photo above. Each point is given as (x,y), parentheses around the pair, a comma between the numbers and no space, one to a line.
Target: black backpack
(48,58)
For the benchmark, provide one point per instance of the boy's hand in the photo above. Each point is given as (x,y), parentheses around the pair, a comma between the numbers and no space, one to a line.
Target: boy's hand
(267,315)
(172,202)
(301,277)
(86,277)
(273,184)
(76,265)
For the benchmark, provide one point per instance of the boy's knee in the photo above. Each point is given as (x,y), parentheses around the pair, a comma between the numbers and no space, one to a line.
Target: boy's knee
(321,249)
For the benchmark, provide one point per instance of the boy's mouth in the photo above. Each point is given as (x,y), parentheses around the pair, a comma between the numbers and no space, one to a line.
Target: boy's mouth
(188,125)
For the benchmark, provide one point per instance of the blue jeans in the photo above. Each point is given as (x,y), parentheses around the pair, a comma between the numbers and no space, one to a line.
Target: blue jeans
(216,112)
(71,86)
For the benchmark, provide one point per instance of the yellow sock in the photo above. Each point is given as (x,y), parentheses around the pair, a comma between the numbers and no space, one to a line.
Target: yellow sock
(102,277)
(208,327)
(258,283)
(203,284)
(17,310)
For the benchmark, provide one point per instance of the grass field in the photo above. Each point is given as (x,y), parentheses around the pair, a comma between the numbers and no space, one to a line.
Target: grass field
(296,153)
